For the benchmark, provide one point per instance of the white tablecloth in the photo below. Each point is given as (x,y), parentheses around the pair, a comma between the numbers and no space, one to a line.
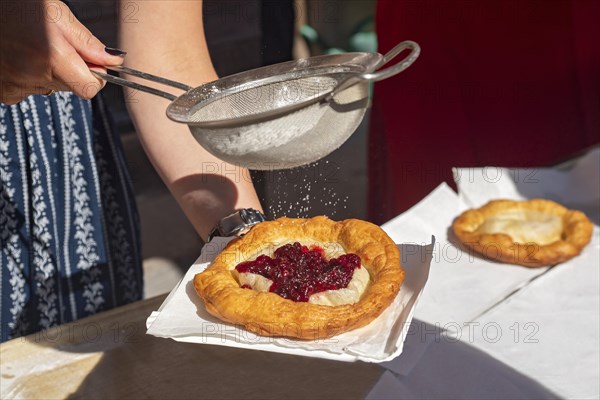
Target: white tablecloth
(491,330)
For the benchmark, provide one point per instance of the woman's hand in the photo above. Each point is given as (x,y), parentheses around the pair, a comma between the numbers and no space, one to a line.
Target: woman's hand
(44,48)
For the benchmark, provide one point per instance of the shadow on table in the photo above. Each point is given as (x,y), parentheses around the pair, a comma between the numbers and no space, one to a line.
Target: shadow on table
(128,363)
(156,368)
(432,365)
(435,365)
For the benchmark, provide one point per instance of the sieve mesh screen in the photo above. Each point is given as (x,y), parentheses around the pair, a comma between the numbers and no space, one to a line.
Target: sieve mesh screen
(262,98)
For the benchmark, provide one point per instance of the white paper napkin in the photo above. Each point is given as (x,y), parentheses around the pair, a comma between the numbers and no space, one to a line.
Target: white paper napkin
(514,332)
(182,317)
(550,329)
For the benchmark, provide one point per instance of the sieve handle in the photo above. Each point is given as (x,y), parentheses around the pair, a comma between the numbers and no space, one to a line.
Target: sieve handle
(382,74)
(400,66)
(137,86)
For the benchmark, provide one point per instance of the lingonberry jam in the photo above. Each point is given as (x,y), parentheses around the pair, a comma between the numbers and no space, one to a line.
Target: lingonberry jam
(298,272)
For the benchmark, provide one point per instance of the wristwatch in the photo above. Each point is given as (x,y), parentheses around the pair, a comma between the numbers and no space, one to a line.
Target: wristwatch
(237,224)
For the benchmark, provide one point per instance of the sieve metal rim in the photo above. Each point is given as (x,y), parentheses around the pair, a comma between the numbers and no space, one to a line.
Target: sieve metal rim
(264,116)
(327,65)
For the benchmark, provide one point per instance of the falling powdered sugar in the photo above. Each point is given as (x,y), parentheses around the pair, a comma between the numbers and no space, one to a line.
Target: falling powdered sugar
(306,191)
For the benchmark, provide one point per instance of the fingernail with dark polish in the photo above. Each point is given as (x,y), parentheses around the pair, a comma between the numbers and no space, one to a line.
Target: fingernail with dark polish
(115,52)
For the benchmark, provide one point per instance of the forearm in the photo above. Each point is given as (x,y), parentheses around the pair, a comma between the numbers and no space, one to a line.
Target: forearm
(168,40)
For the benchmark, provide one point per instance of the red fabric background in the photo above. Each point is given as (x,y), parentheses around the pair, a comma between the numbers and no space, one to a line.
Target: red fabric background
(499,82)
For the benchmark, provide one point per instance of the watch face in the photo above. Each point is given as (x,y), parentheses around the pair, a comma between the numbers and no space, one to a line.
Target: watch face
(246,215)
(231,224)
(251,216)
(238,223)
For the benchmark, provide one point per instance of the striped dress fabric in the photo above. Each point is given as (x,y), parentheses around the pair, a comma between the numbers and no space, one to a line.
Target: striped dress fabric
(68,226)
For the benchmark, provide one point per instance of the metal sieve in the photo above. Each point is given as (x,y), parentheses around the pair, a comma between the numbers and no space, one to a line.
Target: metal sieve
(280,116)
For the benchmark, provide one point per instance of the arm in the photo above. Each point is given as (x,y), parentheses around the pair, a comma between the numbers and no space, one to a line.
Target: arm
(168,40)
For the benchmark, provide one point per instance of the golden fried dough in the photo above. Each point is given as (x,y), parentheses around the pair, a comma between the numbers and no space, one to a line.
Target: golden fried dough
(532,233)
(268,314)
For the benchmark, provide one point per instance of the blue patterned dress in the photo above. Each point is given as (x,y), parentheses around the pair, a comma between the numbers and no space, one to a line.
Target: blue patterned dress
(68,226)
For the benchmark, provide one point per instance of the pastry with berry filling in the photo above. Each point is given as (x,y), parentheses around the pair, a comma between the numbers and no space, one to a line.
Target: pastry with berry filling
(303,278)
(532,233)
